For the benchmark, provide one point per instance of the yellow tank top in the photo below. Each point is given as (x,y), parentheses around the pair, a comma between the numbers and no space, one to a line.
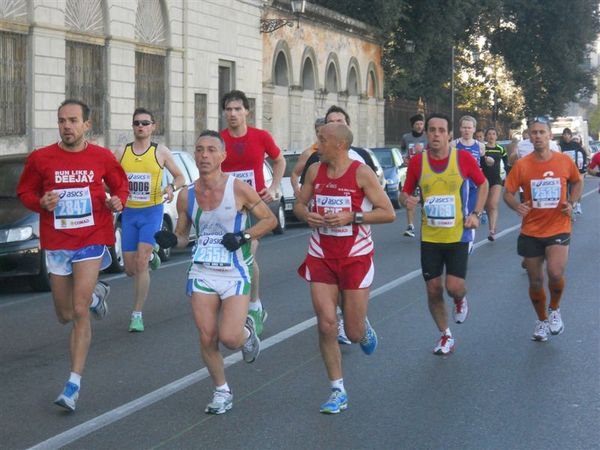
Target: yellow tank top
(145,177)
(442,213)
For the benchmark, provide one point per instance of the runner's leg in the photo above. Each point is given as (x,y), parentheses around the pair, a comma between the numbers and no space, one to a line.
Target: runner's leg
(324,299)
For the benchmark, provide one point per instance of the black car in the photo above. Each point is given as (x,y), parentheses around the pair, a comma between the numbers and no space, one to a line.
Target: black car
(20,252)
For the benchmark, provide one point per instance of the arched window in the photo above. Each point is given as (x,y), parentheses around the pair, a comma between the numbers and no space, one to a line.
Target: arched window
(331,81)
(281,70)
(371,85)
(308,75)
(352,82)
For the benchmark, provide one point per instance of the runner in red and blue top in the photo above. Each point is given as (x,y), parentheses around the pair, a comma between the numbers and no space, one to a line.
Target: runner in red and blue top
(346,198)
(65,184)
(467,142)
(246,148)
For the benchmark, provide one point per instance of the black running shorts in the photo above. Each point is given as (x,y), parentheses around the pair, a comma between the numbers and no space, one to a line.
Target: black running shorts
(436,256)
(532,247)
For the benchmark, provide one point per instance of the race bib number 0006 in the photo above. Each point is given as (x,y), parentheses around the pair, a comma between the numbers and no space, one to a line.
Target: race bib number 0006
(139,186)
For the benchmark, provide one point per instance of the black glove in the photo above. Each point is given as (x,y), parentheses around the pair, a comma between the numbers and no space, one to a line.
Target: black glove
(165,239)
(233,241)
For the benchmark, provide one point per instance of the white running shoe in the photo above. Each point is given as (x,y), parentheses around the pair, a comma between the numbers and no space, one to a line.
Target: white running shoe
(221,403)
(410,231)
(445,345)
(251,349)
(555,322)
(460,310)
(541,331)
(342,338)
(101,291)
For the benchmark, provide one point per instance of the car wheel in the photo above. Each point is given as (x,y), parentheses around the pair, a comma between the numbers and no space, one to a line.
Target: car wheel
(165,253)
(280,228)
(116,251)
(41,281)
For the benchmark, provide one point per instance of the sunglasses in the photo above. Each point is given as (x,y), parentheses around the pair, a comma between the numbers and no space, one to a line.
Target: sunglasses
(144,123)
(539,119)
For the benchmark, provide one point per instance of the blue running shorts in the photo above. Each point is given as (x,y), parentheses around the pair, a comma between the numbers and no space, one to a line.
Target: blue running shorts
(140,225)
(60,262)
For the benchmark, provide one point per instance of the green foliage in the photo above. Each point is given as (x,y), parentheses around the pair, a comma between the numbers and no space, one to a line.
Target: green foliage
(533,51)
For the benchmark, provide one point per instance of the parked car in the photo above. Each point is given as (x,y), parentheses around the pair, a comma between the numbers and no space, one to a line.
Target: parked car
(286,185)
(394,170)
(20,252)
(378,168)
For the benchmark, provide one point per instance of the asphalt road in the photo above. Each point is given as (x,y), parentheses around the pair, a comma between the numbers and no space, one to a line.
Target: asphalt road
(498,390)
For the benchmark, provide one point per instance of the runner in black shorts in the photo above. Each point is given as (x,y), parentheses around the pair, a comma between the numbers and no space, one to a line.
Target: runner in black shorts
(435,256)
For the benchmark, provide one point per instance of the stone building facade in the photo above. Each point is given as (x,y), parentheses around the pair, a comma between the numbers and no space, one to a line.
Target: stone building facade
(326,59)
(177,58)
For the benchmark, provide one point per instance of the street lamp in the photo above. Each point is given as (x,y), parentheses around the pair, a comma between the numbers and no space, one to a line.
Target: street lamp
(270,25)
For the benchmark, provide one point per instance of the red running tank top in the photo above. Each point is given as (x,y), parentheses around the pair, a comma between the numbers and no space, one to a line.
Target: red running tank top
(333,195)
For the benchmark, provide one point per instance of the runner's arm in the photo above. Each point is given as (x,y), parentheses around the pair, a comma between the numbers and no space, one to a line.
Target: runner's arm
(164,155)
(383,211)
(182,229)
(301,209)
(266,220)
(29,188)
(298,168)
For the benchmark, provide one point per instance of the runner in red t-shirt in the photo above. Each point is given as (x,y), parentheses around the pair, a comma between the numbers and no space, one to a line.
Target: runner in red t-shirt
(64,183)
(246,148)
(347,198)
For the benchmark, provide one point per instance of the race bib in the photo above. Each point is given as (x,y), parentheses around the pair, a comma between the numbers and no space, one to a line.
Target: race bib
(139,186)
(246,176)
(545,194)
(440,211)
(74,209)
(211,253)
(330,204)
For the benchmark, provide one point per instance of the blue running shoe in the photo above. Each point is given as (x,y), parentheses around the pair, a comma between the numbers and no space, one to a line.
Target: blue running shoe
(68,397)
(368,343)
(338,401)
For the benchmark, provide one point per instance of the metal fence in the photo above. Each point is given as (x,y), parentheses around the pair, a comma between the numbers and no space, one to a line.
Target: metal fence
(85,81)
(13,88)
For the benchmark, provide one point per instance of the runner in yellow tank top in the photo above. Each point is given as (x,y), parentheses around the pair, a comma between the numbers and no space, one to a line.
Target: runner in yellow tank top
(144,160)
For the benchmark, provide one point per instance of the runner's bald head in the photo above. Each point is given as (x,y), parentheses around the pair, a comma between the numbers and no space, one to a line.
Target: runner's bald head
(340,132)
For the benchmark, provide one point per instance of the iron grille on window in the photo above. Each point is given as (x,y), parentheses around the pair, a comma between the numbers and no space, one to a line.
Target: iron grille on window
(13,84)
(150,87)
(200,113)
(84,79)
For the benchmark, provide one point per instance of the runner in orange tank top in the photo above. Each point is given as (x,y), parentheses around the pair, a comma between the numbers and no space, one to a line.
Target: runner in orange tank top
(546,228)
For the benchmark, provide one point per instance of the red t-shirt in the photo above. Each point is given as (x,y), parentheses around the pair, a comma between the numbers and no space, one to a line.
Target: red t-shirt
(81,218)
(595,161)
(469,168)
(246,155)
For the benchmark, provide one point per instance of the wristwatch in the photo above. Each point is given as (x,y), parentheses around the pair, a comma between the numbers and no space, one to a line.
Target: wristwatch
(358,217)
(247,237)
(478,214)
(172,186)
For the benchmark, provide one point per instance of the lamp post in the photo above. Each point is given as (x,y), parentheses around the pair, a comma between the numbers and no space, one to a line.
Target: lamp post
(452,91)
(270,25)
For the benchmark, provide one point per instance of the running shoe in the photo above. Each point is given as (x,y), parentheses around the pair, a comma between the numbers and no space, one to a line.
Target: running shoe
(259,317)
(136,325)
(338,401)
(342,338)
(492,236)
(68,397)
(410,231)
(154,262)
(460,310)
(368,343)
(445,345)
(251,349)
(101,291)
(484,218)
(541,331)
(555,322)
(221,403)
(578,208)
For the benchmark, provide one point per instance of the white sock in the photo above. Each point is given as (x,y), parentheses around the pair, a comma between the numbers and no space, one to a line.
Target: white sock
(135,314)
(95,300)
(75,378)
(223,388)
(255,305)
(338,384)
(447,332)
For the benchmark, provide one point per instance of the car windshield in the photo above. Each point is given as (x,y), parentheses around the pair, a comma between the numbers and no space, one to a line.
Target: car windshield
(384,157)
(290,163)
(10,172)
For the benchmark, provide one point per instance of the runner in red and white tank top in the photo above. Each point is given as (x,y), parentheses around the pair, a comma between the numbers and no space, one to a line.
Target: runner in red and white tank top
(336,195)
